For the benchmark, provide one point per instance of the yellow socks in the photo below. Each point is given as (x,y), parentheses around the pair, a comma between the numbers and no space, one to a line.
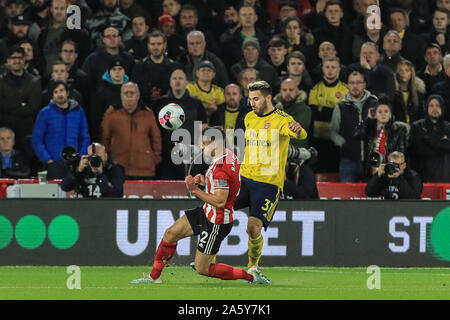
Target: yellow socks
(254,250)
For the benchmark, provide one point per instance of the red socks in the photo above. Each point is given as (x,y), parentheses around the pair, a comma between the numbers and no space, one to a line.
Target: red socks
(164,253)
(219,270)
(226,272)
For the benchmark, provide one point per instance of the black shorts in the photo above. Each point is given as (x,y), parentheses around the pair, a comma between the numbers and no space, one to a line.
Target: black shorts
(211,234)
(261,198)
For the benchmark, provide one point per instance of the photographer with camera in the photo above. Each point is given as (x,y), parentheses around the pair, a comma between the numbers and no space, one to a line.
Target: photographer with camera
(393,180)
(381,134)
(92,175)
(300,180)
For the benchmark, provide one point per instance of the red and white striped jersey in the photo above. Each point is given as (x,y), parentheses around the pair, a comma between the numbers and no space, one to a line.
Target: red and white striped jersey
(223,173)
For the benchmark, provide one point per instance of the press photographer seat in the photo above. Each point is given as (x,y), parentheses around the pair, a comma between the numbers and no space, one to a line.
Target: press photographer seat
(48,190)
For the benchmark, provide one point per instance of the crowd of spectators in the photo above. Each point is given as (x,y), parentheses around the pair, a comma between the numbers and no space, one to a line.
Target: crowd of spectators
(358,82)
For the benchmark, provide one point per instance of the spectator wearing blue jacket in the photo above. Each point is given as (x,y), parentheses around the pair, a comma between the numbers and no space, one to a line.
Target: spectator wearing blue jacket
(61,123)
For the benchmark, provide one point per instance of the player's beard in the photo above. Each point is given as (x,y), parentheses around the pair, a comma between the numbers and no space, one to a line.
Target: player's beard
(263,108)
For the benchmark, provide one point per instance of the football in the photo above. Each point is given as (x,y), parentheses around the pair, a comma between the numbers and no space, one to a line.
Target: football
(171,117)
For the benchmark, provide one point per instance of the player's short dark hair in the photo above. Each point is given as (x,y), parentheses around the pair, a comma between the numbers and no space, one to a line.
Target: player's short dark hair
(213,137)
(262,86)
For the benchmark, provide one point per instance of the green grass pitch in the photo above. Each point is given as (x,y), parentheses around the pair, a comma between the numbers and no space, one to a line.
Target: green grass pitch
(182,283)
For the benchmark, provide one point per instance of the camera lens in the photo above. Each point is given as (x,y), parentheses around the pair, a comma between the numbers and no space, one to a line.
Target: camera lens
(391,168)
(95,161)
(375,159)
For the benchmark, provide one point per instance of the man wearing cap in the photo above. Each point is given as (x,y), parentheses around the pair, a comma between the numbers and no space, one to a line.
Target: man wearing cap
(20,27)
(434,70)
(208,93)
(107,97)
(443,87)
(14,8)
(97,62)
(137,45)
(20,96)
(252,59)
(167,24)
(196,53)
(288,8)
(429,142)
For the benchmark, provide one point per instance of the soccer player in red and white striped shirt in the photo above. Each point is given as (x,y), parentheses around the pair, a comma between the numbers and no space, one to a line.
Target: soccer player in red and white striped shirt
(213,221)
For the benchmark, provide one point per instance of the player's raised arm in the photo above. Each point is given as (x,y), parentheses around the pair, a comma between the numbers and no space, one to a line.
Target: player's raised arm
(295,130)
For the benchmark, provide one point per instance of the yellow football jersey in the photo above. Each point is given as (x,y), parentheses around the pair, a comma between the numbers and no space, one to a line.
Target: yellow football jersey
(215,93)
(266,146)
(322,100)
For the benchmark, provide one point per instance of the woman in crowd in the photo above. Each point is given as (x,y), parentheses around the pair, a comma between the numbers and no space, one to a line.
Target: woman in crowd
(381,134)
(298,39)
(410,95)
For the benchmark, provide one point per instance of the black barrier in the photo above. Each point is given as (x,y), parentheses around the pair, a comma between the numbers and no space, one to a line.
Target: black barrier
(127,232)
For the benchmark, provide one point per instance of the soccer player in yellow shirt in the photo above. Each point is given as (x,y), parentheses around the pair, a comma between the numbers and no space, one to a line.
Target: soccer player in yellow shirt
(267,134)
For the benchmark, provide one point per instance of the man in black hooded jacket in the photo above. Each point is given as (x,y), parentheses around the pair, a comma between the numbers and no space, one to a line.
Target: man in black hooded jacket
(430,144)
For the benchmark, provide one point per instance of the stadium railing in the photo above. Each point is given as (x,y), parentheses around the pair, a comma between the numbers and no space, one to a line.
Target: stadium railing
(157,189)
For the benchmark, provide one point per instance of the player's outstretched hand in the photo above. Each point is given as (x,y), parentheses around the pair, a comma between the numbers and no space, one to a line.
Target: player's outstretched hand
(295,127)
(199,179)
(190,183)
